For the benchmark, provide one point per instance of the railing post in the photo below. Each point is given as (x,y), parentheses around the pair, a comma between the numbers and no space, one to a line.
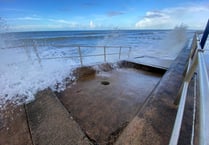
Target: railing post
(36,52)
(205,35)
(129,52)
(27,50)
(104,54)
(119,52)
(80,55)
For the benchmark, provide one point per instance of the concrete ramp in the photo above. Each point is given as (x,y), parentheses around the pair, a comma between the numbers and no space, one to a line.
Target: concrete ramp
(51,124)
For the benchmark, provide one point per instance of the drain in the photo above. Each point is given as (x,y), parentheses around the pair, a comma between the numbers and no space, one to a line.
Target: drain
(105,83)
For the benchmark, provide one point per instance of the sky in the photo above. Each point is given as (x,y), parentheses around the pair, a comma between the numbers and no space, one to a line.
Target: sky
(47,15)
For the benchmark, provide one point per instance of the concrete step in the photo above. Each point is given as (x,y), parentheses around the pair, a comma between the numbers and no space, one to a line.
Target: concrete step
(13,126)
(51,124)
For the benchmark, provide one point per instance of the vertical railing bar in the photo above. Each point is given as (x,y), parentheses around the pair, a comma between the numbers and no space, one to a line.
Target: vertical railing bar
(104,54)
(194,109)
(36,52)
(205,35)
(26,50)
(80,55)
(119,52)
(129,52)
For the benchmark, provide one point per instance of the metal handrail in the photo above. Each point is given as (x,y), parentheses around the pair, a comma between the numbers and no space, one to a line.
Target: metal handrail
(196,59)
(179,116)
(33,45)
(79,54)
(204,101)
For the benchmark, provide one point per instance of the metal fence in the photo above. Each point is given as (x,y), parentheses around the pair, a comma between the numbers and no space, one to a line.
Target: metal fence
(196,60)
(120,52)
(74,52)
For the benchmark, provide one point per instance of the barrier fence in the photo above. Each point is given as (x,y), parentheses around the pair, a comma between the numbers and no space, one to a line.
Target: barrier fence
(196,60)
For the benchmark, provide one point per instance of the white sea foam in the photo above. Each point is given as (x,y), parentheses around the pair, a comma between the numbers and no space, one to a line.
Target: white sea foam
(22,76)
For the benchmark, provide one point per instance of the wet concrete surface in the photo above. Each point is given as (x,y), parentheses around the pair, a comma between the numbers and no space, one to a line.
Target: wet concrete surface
(51,124)
(104,102)
(13,126)
(153,124)
(153,61)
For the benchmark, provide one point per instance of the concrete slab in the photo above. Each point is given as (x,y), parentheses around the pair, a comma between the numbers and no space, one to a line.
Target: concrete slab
(103,103)
(153,124)
(51,124)
(152,61)
(13,126)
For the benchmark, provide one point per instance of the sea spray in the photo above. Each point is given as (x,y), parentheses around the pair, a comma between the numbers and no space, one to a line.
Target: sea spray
(3,30)
(171,45)
(22,74)
(3,25)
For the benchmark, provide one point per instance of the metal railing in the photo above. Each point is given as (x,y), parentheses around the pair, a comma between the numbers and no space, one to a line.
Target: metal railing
(196,59)
(204,101)
(102,53)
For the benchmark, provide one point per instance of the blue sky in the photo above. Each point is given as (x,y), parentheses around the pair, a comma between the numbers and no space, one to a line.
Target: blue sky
(38,15)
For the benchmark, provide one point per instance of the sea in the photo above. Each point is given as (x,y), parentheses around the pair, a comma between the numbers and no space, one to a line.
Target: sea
(33,61)
(94,37)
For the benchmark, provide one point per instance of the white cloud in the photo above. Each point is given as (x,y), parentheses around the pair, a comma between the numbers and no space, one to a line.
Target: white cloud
(91,24)
(31,27)
(195,17)
(41,24)
(154,19)
(65,23)
(29,18)
(60,21)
